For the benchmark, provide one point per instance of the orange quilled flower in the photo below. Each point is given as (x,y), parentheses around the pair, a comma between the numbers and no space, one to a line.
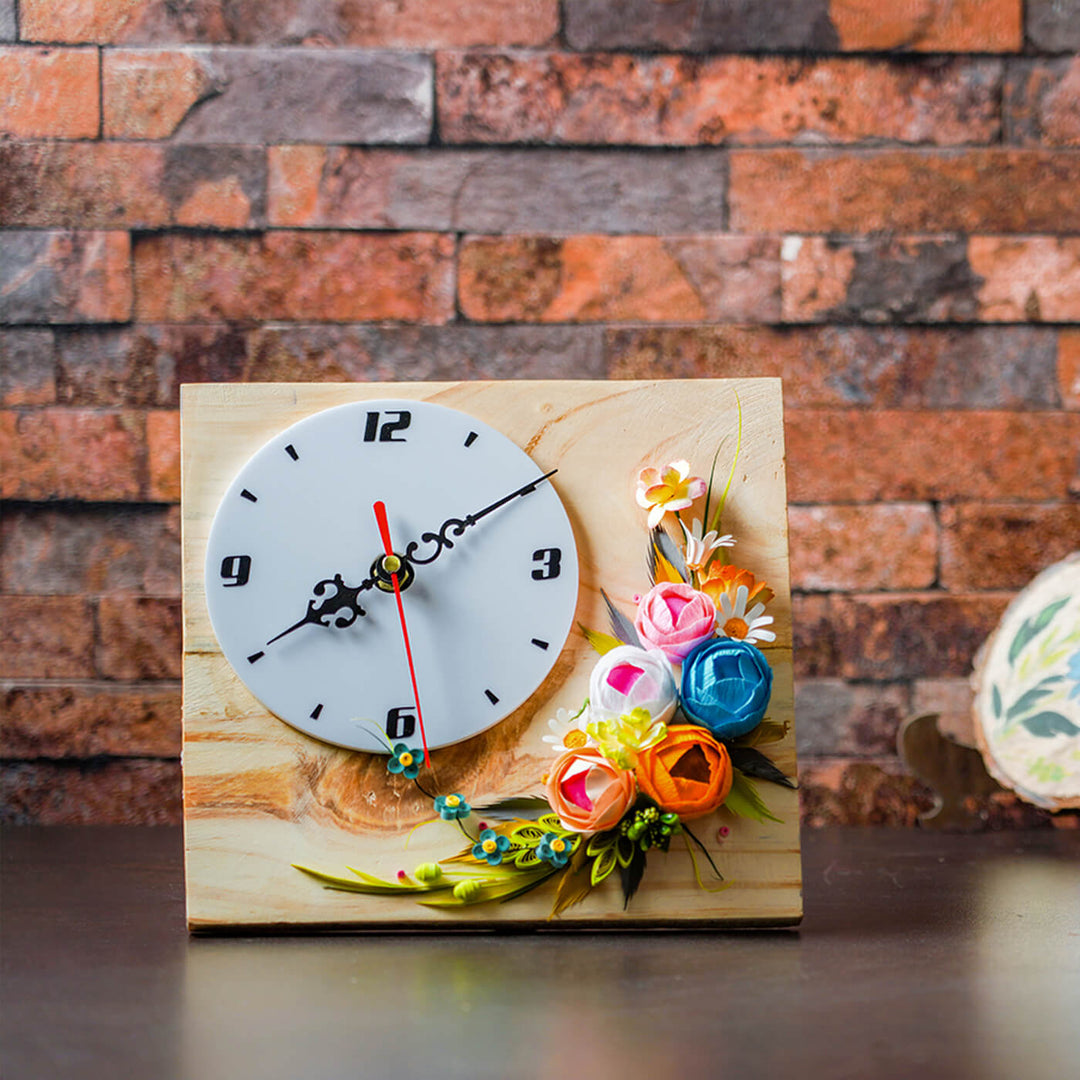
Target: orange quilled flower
(723,580)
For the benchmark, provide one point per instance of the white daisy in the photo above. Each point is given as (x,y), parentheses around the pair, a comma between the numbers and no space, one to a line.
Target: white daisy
(699,547)
(568,731)
(734,621)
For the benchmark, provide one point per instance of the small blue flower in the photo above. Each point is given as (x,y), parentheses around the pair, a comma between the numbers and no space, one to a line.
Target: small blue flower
(555,849)
(405,760)
(1074,674)
(726,686)
(491,847)
(452,807)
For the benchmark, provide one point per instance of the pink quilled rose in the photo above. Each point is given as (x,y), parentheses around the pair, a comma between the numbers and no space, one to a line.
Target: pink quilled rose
(674,618)
(588,792)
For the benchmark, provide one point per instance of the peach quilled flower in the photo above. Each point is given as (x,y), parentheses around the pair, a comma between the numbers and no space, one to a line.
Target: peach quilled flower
(670,488)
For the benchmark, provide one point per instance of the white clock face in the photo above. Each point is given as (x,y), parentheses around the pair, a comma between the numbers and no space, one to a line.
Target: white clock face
(488,602)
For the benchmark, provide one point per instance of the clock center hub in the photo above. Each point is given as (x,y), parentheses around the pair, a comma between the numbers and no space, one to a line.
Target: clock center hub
(384,568)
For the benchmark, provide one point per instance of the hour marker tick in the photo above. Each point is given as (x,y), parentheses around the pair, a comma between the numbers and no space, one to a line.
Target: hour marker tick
(491,697)
(471,438)
(291,451)
(245,494)
(255,656)
(315,712)
(539,644)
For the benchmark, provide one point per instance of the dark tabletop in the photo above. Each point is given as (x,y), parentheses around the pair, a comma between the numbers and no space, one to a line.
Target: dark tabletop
(920,956)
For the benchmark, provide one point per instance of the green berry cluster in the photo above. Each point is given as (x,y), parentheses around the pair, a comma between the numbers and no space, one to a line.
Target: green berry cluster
(648,827)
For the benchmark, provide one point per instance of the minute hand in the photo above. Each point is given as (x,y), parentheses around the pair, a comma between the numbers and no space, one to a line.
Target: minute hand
(456,526)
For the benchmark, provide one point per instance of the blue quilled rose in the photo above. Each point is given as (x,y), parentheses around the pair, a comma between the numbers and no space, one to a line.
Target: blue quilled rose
(726,685)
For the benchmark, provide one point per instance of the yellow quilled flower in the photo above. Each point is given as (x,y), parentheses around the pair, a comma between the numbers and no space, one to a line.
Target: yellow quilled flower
(669,488)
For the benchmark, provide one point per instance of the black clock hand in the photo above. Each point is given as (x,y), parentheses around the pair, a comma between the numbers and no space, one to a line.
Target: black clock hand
(345,596)
(318,613)
(456,526)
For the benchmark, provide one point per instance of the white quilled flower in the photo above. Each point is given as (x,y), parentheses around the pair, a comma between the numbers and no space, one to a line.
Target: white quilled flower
(734,621)
(568,731)
(700,546)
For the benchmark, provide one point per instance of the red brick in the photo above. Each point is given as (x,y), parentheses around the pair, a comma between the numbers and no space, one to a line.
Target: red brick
(1041,102)
(844,792)
(49,93)
(618,279)
(810,26)
(1034,278)
(879,279)
(146,95)
(1068,366)
(27,366)
(90,720)
(46,637)
(402,24)
(852,719)
(1053,25)
(733,100)
(840,366)
(144,365)
(102,185)
(929,26)
(892,636)
(70,454)
(864,456)
(122,792)
(163,455)
(85,549)
(348,353)
(138,638)
(808,191)
(498,191)
(1004,545)
(260,96)
(855,548)
(294,276)
(65,277)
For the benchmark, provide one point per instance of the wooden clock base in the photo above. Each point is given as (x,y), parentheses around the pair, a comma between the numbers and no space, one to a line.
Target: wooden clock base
(260,796)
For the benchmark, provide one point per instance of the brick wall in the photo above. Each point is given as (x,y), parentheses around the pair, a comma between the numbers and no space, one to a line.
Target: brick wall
(879,201)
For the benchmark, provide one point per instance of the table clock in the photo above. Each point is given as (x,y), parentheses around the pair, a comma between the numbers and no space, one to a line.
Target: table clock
(487,653)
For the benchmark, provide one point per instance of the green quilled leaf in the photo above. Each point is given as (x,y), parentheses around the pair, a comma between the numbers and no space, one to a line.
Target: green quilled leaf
(995,698)
(603,865)
(744,800)
(370,885)
(1046,725)
(599,843)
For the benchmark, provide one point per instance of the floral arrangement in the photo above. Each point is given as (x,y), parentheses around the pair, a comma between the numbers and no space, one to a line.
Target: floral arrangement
(670,732)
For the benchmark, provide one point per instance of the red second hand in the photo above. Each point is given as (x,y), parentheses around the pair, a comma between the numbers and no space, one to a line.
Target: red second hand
(384,532)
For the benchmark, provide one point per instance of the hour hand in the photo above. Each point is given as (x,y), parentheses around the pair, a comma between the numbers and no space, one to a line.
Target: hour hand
(456,526)
(342,604)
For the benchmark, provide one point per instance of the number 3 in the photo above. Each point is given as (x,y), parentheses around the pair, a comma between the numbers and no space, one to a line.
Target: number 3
(551,558)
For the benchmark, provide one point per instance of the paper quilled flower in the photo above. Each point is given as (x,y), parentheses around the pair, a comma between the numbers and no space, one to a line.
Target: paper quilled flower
(726,686)
(669,488)
(567,731)
(405,760)
(490,847)
(688,773)
(700,546)
(452,807)
(588,792)
(674,618)
(734,621)
(627,678)
(555,849)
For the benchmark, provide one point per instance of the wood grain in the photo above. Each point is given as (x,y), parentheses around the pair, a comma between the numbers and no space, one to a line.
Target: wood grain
(259,795)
